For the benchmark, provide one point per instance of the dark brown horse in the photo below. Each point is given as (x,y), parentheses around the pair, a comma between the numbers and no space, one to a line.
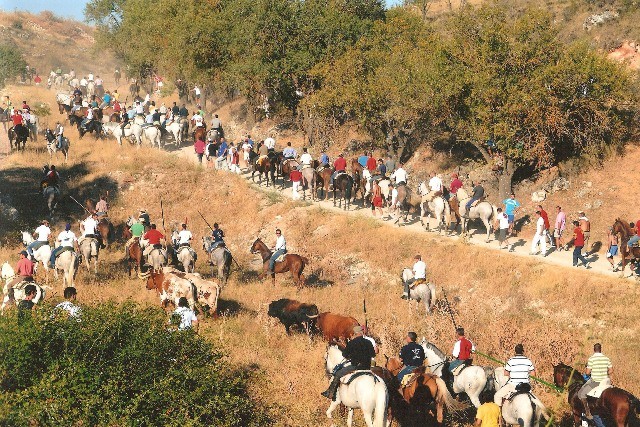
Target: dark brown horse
(292,262)
(106,231)
(134,258)
(423,389)
(407,200)
(614,402)
(324,179)
(359,182)
(623,230)
(286,166)
(200,133)
(344,184)
(266,167)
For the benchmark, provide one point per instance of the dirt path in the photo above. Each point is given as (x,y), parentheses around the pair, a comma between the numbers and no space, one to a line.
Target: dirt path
(597,261)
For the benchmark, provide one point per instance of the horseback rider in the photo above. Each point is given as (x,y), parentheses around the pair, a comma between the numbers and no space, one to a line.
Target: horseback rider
(102,207)
(339,166)
(477,194)
(42,237)
(419,273)
(289,152)
(183,112)
(59,133)
(216,124)
(270,143)
(18,121)
(137,230)
(411,354)
(400,175)
(435,186)
(382,169)
(24,273)
(51,178)
(197,120)
(144,218)
(455,185)
(89,229)
(154,237)
(263,153)
(184,237)
(518,369)
(462,350)
(599,367)
(66,239)
(87,119)
(306,160)
(279,249)
(218,237)
(359,351)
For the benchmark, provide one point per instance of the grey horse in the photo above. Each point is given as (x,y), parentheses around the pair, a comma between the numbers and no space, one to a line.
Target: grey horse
(425,292)
(51,195)
(483,210)
(220,257)
(89,248)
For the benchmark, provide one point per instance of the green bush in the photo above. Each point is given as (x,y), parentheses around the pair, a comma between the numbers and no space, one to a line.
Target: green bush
(118,366)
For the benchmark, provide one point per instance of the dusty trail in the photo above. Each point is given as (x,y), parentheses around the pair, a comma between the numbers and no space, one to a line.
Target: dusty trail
(597,261)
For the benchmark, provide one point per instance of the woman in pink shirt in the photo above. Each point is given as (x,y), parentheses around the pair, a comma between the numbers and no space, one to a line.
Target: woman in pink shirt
(199,147)
(558,232)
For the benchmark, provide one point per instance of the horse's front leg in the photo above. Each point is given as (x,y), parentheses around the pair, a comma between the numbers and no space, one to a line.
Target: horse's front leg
(350,417)
(334,404)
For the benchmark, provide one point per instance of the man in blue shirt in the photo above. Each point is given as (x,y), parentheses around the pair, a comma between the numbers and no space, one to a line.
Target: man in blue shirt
(289,152)
(511,207)
(412,355)
(222,153)
(363,160)
(324,159)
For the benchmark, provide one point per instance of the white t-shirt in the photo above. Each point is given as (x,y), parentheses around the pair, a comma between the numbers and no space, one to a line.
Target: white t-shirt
(394,196)
(69,307)
(270,143)
(83,82)
(139,108)
(400,175)
(43,233)
(187,317)
(184,236)
(197,119)
(519,368)
(90,76)
(246,147)
(419,270)
(306,159)
(89,226)
(503,219)
(540,226)
(281,243)
(456,348)
(371,340)
(196,90)
(435,184)
(66,238)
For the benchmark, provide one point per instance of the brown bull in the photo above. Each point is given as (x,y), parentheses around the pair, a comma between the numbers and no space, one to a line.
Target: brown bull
(335,326)
(291,312)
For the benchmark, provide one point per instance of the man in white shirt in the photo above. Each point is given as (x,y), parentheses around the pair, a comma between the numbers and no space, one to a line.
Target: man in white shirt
(270,143)
(435,187)
(184,316)
(197,119)
(42,237)
(419,273)
(139,108)
(66,239)
(400,175)
(184,236)
(90,77)
(538,238)
(518,369)
(502,224)
(89,228)
(84,83)
(279,249)
(68,305)
(306,160)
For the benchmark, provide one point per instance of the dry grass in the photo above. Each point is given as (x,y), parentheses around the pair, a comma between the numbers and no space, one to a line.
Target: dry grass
(501,300)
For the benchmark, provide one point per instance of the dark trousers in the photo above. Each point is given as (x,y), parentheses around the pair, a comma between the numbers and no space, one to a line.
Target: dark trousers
(335,382)
(577,255)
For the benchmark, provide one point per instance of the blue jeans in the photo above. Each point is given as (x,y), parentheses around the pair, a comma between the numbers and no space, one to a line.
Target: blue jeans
(577,255)
(405,371)
(272,261)
(454,364)
(59,142)
(33,244)
(632,240)
(54,254)
(469,203)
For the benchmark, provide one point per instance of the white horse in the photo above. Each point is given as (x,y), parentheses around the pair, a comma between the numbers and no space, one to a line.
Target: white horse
(175,129)
(89,248)
(40,255)
(483,210)
(133,131)
(58,82)
(186,258)
(67,262)
(367,392)
(524,409)
(8,274)
(437,206)
(51,195)
(471,380)
(52,145)
(425,292)
(91,89)
(152,134)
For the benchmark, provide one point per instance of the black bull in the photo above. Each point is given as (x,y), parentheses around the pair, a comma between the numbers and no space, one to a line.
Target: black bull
(292,312)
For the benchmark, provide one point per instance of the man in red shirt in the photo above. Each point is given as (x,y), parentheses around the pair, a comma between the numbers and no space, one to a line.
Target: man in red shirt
(154,237)
(455,185)
(545,218)
(17,118)
(340,165)
(578,244)
(24,272)
(296,177)
(199,148)
(372,164)
(634,239)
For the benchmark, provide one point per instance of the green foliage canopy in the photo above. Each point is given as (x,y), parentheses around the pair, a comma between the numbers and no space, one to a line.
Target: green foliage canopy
(11,63)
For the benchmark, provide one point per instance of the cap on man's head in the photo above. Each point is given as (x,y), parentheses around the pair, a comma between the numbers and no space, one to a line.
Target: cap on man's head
(358,329)
(67,227)
(23,253)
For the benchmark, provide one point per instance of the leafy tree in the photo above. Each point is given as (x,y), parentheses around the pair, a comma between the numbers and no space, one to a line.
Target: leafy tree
(11,63)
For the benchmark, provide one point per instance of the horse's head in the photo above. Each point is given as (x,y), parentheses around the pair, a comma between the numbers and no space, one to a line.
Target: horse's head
(394,365)
(256,246)
(7,271)
(564,375)
(27,238)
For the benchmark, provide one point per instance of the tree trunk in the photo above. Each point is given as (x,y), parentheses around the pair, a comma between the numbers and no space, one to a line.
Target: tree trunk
(505,179)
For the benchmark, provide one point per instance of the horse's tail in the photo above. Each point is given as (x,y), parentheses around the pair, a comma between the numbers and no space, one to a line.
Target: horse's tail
(382,398)
(445,397)
(432,301)
(73,268)
(634,403)
(194,293)
(348,188)
(538,410)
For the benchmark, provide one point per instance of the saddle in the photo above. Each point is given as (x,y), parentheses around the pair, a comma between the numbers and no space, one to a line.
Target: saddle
(409,378)
(281,258)
(339,174)
(348,379)
(597,392)
(417,282)
(65,249)
(522,388)
(461,368)
(193,252)
(322,167)
(38,244)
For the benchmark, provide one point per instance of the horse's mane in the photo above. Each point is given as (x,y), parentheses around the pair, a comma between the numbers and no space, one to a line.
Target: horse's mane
(625,226)
(435,349)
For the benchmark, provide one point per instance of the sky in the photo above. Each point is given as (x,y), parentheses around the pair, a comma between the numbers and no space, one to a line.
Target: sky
(71,8)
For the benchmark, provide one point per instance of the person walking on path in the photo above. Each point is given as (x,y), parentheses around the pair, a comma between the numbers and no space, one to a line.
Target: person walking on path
(539,237)
(578,244)
(502,224)
(585,225)
(296,178)
(612,250)
(559,227)
(547,225)
(199,149)
(511,208)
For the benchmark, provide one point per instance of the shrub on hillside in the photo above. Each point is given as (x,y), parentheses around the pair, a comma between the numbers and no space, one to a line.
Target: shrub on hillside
(11,63)
(118,366)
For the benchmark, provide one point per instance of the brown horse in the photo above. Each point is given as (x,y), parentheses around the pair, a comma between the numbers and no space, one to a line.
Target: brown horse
(407,200)
(266,167)
(344,184)
(135,257)
(200,133)
(623,230)
(106,231)
(286,166)
(359,183)
(614,402)
(423,389)
(292,262)
(324,179)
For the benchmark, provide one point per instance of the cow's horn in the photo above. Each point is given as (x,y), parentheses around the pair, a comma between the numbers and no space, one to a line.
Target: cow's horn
(312,317)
